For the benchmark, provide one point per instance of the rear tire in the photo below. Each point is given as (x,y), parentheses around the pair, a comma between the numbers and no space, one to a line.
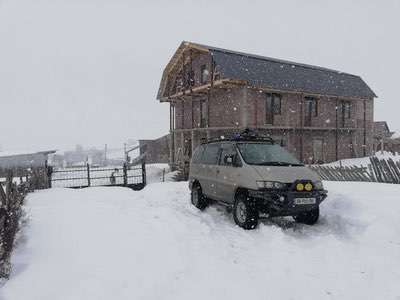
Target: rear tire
(245,212)
(197,197)
(309,217)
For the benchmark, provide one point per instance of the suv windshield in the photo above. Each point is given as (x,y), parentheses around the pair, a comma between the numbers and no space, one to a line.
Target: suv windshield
(264,154)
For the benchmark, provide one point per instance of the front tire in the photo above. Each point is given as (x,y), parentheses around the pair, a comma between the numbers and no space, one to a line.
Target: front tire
(245,213)
(197,197)
(309,217)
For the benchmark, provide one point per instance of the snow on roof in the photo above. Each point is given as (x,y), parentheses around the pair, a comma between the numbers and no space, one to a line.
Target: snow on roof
(20,152)
(395,135)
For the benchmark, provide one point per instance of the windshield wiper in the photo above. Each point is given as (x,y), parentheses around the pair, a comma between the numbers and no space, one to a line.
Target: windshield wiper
(279,163)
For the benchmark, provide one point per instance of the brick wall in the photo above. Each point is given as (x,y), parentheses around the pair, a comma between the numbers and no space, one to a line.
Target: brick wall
(157,150)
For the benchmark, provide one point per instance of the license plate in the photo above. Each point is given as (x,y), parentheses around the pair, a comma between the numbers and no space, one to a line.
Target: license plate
(301,201)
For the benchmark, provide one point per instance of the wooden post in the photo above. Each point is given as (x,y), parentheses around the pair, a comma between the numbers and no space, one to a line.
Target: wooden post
(88,173)
(183,73)
(125,171)
(337,130)
(302,126)
(194,141)
(191,79)
(143,172)
(49,170)
(212,65)
(172,134)
(183,114)
(365,128)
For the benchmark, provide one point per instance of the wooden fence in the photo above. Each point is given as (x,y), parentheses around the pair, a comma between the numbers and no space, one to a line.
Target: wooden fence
(378,170)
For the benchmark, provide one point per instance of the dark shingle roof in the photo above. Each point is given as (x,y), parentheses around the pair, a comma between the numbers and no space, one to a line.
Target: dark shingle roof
(285,75)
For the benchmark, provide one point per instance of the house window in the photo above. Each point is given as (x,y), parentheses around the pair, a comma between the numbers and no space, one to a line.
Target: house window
(189,79)
(346,109)
(274,103)
(310,110)
(203,74)
(273,107)
(344,112)
(217,73)
(311,104)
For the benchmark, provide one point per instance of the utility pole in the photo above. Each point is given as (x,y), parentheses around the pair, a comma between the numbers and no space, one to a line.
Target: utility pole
(105,154)
(126,153)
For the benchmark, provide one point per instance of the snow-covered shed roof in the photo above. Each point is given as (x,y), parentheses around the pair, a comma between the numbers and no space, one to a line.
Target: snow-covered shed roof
(23,159)
(261,71)
(395,136)
(381,128)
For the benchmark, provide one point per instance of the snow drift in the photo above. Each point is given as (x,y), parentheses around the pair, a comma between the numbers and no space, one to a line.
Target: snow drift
(114,243)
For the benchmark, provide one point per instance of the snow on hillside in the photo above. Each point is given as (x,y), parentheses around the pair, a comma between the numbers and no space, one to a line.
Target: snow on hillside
(363,161)
(115,243)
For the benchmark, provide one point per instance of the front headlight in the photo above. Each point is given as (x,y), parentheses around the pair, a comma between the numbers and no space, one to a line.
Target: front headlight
(318,185)
(270,185)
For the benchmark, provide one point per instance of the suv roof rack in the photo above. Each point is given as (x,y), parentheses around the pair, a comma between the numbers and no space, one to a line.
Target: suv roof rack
(245,135)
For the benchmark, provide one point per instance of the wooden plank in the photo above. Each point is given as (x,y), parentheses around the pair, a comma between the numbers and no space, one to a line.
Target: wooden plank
(389,174)
(395,169)
(385,174)
(372,173)
(377,171)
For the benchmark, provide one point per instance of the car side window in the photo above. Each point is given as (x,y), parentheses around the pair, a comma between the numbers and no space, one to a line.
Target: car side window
(228,150)
(198,154)
(211,154)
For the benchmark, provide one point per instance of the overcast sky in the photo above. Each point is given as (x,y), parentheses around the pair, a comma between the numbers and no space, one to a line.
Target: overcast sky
(87,71)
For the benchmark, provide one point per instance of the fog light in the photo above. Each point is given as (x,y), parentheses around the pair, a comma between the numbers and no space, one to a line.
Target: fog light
(281,198)
(300,187)
(308,187)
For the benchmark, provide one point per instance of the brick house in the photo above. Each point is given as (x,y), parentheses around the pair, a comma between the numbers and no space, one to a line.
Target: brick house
(318,114)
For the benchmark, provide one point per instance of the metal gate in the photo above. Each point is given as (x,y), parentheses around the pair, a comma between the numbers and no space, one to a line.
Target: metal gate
(133,176)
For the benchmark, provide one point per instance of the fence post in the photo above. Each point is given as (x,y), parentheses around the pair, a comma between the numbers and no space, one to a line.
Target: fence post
(125,175)
(49,170)
(88,173)
(144,172)
(163,175)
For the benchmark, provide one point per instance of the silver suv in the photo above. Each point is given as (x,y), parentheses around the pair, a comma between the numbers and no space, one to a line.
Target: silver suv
(256,178)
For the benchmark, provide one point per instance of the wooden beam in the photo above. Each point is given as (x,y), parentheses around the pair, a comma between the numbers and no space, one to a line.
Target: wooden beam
(337,130)
(273,128)
(205,87)
(305,93)
(197,47)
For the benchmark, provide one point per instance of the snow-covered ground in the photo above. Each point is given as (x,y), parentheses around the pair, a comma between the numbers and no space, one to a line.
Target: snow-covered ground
(115,243)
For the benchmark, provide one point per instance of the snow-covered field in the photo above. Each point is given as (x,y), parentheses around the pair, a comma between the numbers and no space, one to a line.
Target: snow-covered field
(114,243)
